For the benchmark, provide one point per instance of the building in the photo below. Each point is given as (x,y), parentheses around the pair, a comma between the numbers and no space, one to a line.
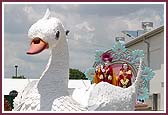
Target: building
(152,43)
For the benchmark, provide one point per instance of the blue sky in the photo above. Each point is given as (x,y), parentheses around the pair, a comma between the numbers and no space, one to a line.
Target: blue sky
(92,27)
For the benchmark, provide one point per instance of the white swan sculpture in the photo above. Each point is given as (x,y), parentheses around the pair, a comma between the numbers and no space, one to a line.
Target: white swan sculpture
(50,92)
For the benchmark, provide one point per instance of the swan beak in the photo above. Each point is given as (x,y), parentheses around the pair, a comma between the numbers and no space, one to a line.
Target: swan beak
(37,46)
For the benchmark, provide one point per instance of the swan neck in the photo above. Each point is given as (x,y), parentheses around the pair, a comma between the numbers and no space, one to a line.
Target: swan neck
(56,74)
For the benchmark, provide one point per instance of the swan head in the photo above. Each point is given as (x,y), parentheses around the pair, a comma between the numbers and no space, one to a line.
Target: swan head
(45,33)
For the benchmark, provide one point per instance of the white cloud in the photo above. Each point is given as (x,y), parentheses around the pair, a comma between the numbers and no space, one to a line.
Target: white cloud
(85,27)
(31,14)
(72,7)
(84,32)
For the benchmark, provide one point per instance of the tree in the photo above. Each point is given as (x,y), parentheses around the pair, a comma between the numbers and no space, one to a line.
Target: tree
(19,77)
(76,74)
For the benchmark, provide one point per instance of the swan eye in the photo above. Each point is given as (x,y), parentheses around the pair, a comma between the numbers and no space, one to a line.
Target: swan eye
(67,32)
(57,35)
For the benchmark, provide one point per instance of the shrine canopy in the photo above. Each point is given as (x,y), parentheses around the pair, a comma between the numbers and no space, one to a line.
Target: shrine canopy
(118,55)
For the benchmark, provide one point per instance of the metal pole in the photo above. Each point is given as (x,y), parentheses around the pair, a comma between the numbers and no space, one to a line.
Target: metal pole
(148,52)
(16,69)
(148,57)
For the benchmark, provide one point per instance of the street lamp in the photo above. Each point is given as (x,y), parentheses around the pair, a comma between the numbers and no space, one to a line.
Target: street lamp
(16,66)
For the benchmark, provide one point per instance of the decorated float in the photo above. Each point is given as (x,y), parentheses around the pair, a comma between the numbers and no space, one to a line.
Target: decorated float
(118,77)
(119,66)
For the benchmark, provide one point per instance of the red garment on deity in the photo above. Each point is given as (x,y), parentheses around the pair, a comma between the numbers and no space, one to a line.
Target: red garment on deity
(123,76)
(108,71)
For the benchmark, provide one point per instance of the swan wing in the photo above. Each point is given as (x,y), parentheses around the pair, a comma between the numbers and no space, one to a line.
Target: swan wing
(81,95)
(67,103)
(107,97)
(28,99)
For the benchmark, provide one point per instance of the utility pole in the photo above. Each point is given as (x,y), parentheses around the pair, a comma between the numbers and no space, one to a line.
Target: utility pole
(16,66)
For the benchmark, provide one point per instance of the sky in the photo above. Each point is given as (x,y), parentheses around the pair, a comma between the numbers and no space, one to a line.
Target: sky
(92,27)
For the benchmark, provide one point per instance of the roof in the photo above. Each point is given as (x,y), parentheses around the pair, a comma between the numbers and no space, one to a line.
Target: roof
(145,36)
(20,84)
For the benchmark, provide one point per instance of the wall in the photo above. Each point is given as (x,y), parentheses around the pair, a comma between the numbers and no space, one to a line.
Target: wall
(156,63)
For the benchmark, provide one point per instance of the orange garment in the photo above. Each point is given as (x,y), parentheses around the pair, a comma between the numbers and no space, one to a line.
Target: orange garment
(103,76)
(97,76)
(115,79)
